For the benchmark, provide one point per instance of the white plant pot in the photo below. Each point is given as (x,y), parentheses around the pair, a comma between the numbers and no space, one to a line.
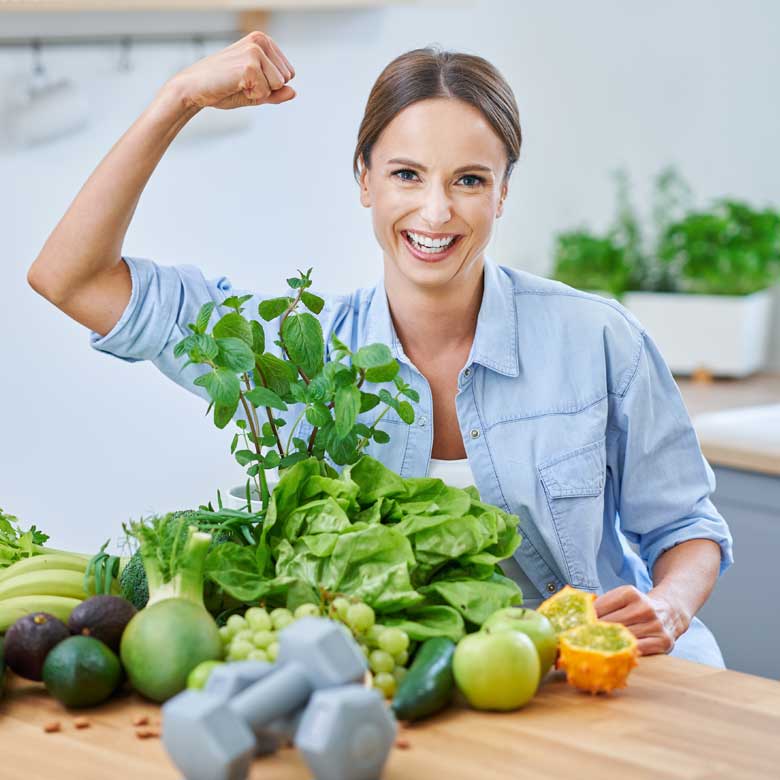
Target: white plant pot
(725,335)
(235,497)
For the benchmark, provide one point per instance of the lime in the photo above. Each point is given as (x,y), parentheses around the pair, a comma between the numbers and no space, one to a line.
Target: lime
(81,671)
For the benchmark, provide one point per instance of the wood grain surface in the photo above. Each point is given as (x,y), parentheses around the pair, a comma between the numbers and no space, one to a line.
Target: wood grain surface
(676,719)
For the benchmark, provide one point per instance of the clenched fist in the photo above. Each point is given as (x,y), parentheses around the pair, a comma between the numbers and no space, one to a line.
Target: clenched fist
(250,72)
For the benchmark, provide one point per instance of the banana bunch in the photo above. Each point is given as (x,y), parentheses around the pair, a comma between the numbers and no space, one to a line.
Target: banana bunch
(54,582)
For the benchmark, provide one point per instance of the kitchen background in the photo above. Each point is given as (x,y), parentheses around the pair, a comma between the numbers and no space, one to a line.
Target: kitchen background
(88,441)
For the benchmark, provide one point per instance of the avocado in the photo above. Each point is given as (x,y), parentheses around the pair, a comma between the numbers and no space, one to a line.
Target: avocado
(102,617)
(28,641)
(81,671)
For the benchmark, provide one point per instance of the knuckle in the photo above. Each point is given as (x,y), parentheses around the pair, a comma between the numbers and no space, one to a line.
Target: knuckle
(257,37)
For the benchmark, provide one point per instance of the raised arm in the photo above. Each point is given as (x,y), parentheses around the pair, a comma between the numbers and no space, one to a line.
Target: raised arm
(80,269)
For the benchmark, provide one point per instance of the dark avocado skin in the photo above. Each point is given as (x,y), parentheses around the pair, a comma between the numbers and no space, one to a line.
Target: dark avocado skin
(28,641)
(429,685)
(102,617)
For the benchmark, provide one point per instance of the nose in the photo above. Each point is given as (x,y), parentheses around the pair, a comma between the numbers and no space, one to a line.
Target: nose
(436,207)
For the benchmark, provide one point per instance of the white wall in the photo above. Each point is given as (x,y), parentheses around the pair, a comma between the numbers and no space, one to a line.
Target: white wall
(88,441)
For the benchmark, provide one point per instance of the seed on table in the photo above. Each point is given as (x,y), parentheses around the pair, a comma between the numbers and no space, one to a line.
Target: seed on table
(52,726)
(81,723)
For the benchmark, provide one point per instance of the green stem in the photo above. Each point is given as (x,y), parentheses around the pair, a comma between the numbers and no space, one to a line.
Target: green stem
(271,417)
(254,432)
(294,428)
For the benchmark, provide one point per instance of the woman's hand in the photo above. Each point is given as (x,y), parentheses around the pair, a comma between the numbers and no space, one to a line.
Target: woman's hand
(250,72)
(650,617)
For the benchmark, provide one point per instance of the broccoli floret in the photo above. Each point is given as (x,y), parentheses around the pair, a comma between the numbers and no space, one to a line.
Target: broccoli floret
(132,582)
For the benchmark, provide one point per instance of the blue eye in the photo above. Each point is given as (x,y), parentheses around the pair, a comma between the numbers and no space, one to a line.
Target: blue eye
(478,180)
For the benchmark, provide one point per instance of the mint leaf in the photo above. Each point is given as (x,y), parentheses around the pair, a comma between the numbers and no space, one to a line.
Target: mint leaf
(203,349)
(222,385)
(347,409)
(302,334)
(406,412)
(262,396)
(274,372)
(223,413)
(382,373)
(372,356)
(272,308)
(235,354)
(258,337)
(233,325)
(204,315)
(368,401)
(234,302)
(312,302)
(380,437)
(318,415)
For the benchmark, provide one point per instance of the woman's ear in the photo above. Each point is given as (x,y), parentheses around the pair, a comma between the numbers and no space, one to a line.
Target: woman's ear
(365,197)
(502,198)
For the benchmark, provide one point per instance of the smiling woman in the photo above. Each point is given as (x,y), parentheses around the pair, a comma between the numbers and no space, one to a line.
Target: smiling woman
(554,403)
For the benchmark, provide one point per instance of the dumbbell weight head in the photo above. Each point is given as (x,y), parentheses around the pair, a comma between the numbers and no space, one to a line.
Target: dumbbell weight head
(314,653)
(205,739)
(230,679)
(346,733)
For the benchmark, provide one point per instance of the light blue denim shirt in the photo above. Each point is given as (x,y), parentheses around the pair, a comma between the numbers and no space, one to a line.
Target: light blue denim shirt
(569,416)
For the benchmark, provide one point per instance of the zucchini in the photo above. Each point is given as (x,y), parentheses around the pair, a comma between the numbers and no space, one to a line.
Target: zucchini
(429,684)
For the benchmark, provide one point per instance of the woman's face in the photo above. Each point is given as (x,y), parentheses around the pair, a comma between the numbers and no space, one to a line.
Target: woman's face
(436,173)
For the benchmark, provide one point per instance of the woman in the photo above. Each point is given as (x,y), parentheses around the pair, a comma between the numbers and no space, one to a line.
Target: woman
(555,403)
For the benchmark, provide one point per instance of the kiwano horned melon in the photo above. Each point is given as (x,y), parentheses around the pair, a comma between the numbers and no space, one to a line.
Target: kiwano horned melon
(568,608)
(597,656)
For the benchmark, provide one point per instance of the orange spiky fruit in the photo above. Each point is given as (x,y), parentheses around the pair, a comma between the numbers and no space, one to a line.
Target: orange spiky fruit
(597,657)
(568,608)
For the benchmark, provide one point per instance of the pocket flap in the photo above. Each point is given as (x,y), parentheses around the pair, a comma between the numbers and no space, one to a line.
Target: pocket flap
(580,472)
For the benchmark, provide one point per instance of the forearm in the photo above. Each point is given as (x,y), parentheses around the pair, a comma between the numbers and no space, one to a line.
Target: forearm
(88,239)
(685,575)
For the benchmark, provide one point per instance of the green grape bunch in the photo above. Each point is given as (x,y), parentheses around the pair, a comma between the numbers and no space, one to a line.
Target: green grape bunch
(253,636)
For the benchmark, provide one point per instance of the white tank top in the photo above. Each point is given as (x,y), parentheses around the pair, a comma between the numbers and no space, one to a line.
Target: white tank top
(458,473)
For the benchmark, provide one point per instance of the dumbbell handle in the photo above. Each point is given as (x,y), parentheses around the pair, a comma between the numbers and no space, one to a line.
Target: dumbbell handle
(283,691)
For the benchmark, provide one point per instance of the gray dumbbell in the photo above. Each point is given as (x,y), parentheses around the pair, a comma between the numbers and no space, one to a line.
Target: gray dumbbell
(229,680)
(211,739)
(346,733)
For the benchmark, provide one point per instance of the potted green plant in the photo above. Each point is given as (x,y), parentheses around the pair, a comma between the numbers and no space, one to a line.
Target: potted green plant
(704,292)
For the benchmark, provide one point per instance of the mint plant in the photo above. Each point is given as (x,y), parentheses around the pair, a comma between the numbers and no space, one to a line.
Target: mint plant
(244,374)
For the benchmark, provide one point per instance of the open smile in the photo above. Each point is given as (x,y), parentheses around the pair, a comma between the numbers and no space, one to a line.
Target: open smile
(430,247)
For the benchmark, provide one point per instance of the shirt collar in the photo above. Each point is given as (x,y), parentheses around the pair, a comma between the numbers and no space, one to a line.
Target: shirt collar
(495,340)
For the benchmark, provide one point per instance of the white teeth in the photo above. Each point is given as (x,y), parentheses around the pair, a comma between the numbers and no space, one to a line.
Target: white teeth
(430,243)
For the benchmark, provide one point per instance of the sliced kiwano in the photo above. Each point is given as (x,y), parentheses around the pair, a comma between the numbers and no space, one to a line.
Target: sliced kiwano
(568,608)
(597,656)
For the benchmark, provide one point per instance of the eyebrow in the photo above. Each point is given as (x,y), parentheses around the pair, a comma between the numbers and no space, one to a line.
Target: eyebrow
(420,166)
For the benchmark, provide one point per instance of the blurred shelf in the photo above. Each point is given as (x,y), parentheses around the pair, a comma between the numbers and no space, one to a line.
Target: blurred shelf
(183,5)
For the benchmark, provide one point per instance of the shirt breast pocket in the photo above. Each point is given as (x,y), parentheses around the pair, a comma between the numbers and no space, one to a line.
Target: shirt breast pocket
(573,483)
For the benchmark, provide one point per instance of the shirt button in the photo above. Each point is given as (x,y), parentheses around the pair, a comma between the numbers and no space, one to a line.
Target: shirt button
(474,433)
(422,422)
(467,372)
(550,587)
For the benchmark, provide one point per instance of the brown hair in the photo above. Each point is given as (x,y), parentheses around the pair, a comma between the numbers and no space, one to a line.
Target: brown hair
(426,73)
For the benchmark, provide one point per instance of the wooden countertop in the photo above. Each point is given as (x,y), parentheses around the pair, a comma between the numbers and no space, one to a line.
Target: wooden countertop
(737,421)
(676,719)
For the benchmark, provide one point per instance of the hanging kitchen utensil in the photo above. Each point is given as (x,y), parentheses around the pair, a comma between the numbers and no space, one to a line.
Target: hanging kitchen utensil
(40,108)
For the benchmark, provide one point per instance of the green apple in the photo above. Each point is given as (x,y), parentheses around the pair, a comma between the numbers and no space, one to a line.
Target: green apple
(533,624)
(496,671)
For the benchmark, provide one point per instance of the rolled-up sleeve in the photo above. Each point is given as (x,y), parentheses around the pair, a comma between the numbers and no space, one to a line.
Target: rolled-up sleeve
(665,483)
(163,300)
